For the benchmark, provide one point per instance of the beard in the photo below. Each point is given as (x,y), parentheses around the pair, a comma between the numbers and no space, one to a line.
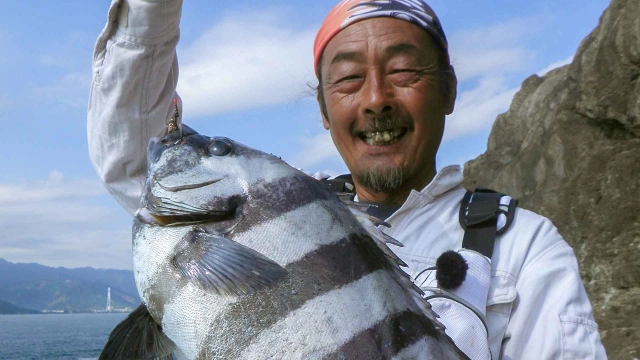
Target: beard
(381,179)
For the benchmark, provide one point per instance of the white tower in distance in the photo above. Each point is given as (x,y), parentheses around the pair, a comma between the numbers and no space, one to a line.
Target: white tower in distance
(108,299)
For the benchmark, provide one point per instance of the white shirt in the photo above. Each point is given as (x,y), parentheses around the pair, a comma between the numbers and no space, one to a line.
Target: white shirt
(537,305)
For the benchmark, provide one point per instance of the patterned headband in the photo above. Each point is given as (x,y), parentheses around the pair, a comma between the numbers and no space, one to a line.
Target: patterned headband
(348,12)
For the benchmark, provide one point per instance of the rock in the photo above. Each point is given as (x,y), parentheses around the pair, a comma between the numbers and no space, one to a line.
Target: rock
(569,149)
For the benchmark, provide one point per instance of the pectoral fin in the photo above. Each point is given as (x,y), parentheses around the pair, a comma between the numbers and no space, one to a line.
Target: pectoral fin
(224,266)
(138,336)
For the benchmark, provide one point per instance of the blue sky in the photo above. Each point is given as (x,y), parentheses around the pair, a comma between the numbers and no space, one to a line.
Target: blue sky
(53,209)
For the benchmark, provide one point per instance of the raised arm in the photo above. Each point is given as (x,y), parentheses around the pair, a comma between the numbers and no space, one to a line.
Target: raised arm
(135,71)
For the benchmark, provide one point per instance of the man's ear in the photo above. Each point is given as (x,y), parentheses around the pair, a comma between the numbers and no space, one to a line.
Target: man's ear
(325,123)
(323,111)
(452,91)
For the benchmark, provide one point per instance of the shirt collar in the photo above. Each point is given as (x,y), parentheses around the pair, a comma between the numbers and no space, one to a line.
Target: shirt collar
(445,180)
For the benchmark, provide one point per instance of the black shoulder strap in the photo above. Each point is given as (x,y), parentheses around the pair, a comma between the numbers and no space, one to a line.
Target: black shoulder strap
(478,217)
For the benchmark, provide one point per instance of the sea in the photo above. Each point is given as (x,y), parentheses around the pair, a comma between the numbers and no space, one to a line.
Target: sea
(55,336)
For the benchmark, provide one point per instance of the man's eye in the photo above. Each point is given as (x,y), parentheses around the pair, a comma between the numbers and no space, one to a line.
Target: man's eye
(404,77)
(348,78)
(403,71)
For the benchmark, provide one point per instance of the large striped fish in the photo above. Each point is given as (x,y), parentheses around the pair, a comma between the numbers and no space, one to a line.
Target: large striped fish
(237,255)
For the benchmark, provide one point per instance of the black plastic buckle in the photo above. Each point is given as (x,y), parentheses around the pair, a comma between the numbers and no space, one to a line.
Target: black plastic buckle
(479,211)
(482,211)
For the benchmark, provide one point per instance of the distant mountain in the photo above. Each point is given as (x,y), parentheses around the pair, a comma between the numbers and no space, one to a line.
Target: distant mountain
(7,308)
(39,287)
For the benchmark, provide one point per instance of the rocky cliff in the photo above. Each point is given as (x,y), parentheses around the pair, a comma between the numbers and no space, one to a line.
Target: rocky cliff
(569,149)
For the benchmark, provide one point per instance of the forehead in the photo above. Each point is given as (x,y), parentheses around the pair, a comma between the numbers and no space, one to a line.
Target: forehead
(378,34)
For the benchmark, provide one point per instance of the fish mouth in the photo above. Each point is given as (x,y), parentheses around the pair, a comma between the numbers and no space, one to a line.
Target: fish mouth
(192,219)
(220,216)
(162,211)
(382,137)
(184,187)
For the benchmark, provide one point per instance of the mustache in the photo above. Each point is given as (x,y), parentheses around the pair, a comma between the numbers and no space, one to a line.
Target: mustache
(381,123)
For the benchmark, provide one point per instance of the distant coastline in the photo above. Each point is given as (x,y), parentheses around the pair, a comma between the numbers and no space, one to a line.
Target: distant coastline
(38,289)
(7,308)
(65,313)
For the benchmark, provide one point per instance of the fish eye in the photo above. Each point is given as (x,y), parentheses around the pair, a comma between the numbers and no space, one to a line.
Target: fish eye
(219,147)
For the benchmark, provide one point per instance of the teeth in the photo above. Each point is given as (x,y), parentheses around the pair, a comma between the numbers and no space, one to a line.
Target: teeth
(372,141)
(386,137)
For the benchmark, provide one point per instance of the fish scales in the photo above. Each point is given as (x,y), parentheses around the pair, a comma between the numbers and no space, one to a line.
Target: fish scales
(237,255)
(250,317)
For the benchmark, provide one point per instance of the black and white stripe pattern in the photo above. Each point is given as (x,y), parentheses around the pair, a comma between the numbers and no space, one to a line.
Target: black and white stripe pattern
(343,298)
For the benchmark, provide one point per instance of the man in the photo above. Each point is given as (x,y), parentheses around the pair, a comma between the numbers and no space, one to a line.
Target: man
(385,87)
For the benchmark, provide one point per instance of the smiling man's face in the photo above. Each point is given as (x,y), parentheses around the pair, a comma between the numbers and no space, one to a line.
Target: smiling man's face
(385,108)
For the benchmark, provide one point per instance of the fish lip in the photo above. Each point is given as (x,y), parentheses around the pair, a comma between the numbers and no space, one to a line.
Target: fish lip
(184,187)
(150,214)
(145,215)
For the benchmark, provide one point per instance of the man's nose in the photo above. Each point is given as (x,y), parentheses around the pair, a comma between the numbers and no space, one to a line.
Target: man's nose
(377,96)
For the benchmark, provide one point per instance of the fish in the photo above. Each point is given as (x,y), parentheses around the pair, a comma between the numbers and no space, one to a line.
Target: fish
(238,255)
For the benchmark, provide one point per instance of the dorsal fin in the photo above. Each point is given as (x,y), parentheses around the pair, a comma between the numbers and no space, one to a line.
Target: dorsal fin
(369,223)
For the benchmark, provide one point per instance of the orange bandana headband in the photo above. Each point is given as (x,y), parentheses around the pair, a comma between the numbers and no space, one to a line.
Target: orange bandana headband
(348,12)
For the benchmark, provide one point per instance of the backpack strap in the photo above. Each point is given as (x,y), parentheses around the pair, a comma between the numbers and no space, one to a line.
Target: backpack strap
(479,211)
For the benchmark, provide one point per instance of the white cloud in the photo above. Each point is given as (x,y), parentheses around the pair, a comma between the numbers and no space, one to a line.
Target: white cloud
(59,222)
(491,50)
(555,65)
(53,60)
(52,189)
(487,56)
(482,62)
(68,51)
(477,109)
(70,91)
(505,33)
(245,62)
(316,148)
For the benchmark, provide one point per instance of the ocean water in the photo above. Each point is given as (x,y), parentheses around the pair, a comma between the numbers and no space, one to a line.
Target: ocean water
(55,336)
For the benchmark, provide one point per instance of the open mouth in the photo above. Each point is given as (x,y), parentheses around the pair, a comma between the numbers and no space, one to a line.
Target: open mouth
(383,137)
(188,219)
(194,219)
(164,211)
